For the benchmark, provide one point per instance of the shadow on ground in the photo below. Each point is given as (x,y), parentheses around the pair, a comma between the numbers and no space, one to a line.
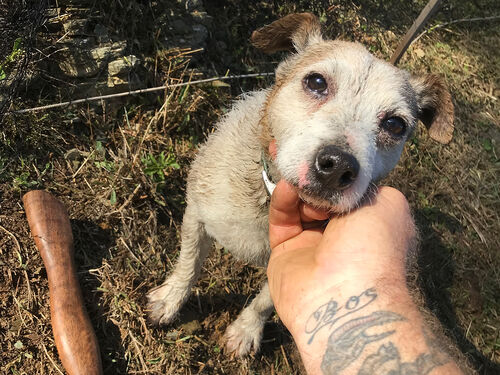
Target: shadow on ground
(92,244)
(436,266)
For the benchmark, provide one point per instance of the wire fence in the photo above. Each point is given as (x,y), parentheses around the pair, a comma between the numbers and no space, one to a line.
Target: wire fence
(19,23)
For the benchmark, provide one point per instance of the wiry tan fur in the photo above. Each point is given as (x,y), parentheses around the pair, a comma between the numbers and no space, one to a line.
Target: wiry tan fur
(226,198)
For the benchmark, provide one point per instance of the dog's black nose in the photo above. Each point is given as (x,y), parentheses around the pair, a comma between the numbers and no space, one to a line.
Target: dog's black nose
(336,168)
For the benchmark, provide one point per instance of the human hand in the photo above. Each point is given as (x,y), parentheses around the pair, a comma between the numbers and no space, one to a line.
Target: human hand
(364,248)
(341,291)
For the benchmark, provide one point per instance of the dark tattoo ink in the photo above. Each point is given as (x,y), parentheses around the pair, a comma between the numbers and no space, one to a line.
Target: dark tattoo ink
(331,312)
(387,361)
(346,344)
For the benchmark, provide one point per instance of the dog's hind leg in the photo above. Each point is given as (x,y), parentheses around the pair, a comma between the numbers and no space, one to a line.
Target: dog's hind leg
(165,300)
(245,333)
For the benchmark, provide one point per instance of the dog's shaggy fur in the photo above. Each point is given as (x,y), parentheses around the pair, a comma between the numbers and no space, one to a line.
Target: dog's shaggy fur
(332,101)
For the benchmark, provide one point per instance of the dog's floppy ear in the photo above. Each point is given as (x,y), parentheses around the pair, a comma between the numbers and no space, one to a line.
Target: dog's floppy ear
(295,31)
(435,107)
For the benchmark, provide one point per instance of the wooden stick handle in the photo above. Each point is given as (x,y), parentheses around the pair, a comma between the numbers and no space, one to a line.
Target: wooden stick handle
(75,338)
(422,18)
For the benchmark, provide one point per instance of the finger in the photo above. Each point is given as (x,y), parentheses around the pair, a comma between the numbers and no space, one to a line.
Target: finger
(284,215)
(308,239)
(401,213)
(396,200)
(309,213)
(385,220)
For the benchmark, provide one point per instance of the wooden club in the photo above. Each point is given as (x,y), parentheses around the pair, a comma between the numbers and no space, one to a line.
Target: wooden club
(75,338)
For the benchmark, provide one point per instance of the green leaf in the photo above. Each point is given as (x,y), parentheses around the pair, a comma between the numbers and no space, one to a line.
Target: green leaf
(112,198)
(174,165)
(18,345)
(487,145)
(98,146)
(183,94)
(17,45)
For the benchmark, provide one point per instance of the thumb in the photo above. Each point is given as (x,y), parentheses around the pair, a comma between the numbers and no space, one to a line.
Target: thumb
(284,214)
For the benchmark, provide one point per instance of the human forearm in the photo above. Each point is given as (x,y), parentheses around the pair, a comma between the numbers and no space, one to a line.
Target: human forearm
(342,291)
(376,329)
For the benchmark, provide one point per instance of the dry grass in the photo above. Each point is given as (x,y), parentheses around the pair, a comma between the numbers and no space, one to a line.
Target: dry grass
(126,202)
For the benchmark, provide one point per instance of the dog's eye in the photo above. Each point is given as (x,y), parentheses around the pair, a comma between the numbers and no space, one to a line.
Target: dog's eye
(317,83)
(394,125)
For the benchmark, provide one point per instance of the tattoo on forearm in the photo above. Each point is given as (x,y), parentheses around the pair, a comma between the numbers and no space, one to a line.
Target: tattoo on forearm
(347,343)
(331,312)
(388,361)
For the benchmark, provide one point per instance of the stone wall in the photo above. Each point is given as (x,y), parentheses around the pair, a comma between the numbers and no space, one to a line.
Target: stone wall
(96,59)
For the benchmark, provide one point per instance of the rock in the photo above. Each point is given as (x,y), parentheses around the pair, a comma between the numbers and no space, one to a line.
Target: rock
(77,63)
(52,12)
(122,65)
(106,53)
(86,43)
(53,22)
(76,27)
(193,4)
(202,17)
(200,35)
(117,83)
(79,11)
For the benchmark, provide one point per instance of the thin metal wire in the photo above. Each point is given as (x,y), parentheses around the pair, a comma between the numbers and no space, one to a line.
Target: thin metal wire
(136,92)
(475,19)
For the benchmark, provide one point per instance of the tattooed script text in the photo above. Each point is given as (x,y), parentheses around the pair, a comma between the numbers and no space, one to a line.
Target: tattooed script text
(331,312)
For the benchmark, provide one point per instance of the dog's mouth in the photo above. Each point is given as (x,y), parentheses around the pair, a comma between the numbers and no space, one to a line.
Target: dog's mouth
(333,180)
(337,201)
(328,199)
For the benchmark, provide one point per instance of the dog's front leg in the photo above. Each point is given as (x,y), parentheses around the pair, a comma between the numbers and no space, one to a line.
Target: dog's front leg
(245,332)
(166,299)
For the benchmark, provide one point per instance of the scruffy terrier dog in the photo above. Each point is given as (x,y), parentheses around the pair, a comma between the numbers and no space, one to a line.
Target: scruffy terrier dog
(335,122)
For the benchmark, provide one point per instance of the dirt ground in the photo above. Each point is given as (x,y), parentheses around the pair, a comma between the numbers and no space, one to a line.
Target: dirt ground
(119,167)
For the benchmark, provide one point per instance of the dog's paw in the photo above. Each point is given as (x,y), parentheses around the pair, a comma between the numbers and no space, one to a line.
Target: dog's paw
(164,302)
(244,334)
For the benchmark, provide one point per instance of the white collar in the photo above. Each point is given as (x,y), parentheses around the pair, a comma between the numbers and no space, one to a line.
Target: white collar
(270,186)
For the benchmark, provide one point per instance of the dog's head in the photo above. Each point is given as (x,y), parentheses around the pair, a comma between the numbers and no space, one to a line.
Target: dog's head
(337,117)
